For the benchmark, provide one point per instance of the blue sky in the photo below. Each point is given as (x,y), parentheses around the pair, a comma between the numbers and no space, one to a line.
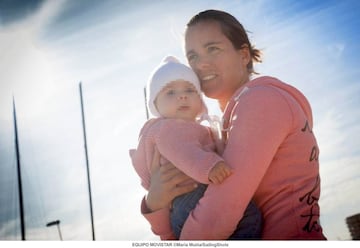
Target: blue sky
(48,47)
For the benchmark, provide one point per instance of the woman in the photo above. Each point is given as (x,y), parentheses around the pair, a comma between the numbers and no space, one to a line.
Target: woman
(269,143)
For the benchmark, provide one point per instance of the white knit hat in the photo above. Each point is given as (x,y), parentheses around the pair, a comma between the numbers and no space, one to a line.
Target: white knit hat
(170,70)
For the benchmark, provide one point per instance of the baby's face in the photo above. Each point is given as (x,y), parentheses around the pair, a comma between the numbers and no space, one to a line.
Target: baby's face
(179,100)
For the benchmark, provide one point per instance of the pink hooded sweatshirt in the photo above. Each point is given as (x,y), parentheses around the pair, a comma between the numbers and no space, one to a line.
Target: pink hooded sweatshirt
(186,144)
(274,154)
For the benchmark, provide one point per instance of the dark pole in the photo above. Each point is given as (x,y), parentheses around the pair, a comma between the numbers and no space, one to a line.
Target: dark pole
(87,161)
(21,203)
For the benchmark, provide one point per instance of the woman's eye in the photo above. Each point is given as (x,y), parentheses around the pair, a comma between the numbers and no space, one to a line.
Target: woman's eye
(212,49)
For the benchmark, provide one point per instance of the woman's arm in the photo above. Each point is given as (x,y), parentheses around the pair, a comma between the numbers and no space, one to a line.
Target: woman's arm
(167,182)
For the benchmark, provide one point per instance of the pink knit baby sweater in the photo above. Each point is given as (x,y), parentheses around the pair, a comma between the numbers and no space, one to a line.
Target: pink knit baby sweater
(188,145)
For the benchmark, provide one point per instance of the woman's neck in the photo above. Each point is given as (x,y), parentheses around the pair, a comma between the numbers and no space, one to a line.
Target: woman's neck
(224,101)
(222,104)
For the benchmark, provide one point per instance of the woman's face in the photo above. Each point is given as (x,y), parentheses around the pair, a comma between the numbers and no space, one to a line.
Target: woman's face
(220,67)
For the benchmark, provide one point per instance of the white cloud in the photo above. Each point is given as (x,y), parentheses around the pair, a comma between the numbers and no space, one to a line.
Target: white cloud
(26,69)
(336,49)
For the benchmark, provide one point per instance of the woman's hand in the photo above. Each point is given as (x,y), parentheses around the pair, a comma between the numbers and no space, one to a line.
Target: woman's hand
(166,184)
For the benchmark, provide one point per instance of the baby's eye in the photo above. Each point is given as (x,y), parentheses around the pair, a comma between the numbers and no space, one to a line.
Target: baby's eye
(170,92)
(190,90)
(192,57)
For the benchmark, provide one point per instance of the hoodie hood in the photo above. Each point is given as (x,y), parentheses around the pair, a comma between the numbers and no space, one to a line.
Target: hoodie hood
(295,93)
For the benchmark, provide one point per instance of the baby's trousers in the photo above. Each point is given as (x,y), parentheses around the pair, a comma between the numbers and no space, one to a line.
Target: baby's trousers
(248,228)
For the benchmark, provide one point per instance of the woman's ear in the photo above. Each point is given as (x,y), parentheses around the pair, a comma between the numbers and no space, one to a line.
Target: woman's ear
(245,54)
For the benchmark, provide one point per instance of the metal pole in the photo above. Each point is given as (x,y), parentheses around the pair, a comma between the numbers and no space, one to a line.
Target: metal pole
(87,162)
(58,227)
(146,109)
(21,203)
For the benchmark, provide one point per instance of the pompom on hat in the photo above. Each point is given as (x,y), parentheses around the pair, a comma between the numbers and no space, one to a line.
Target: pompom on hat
(170,69)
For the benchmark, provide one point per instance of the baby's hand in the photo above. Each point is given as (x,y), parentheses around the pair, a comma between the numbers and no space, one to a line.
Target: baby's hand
(219,173)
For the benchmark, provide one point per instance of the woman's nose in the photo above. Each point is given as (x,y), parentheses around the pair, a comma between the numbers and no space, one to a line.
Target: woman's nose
(202,62)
